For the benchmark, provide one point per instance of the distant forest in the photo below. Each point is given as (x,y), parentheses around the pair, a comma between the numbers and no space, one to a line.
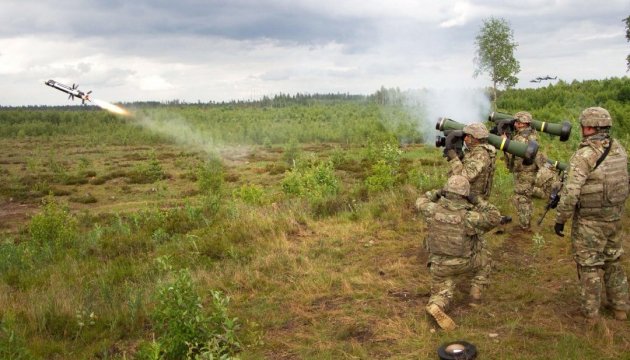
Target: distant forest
(342,118)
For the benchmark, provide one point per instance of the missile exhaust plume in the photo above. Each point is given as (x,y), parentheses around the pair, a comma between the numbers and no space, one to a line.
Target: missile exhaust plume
(110,107)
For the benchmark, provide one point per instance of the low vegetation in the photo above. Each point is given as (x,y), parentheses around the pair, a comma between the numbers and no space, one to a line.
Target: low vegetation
(282,229)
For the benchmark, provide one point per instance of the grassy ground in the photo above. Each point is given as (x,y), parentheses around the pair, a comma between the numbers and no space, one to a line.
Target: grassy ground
(345,279)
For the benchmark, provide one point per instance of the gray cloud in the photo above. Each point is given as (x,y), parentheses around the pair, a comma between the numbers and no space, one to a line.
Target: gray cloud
(191,49)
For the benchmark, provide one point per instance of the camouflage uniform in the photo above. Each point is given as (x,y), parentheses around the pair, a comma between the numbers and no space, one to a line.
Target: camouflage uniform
(595,199)
(546,177)
(454,227)
(478,164)
(524,174)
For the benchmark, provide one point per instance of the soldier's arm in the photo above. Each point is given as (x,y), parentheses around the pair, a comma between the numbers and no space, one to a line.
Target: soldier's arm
(456,167)
(483,217)
(474,164)
(579,168)
(425,205)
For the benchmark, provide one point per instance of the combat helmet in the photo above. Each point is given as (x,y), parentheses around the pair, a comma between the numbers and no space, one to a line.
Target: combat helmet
(595,117)
(457,184)
(476,130)
(524,117)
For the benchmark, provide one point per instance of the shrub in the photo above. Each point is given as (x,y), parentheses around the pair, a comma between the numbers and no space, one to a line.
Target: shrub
(382,177)
(251,194)
(185,331)
(53,226)
(314,182)
(210,177)
(147,173)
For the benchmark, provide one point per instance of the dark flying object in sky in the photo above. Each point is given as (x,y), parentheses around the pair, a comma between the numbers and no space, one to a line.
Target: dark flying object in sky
(71,90)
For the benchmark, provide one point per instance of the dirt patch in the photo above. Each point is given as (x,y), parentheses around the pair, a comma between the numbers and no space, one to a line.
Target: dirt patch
(14,214)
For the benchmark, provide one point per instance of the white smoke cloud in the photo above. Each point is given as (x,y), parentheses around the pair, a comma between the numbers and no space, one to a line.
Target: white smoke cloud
(462,105)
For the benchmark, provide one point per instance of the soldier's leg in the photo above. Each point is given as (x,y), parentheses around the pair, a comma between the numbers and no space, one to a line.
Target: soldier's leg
(523,206)
(442,284)
(615,278)
(523,188)
(481,265)
(590,290)
(442,288)
(616,284)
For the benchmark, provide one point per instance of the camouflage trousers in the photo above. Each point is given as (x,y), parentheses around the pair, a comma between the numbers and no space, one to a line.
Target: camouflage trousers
(446,269)
(597,245)
(522,198)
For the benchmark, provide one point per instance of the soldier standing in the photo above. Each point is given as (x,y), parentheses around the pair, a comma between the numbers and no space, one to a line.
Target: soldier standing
(594,195)
(455,222)
(479,161)
(524,171)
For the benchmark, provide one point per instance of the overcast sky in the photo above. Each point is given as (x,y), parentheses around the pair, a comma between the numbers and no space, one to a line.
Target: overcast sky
(219,50)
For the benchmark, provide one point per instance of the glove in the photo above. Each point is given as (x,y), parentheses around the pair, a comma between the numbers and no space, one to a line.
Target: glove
(473,199)
(559,229)
(554,199)
(451,154)
(505,219)
(434,195)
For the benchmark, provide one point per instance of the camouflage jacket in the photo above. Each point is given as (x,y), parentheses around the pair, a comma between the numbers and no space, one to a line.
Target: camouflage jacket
(453,225)
(597,194)
(516,163)
(477,167)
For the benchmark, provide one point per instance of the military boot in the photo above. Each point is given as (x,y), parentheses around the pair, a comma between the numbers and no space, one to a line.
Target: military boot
(591,319)
(443,320)
(621,315)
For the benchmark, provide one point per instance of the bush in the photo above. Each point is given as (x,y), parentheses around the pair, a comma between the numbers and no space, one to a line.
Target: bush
(251,194)
(185,331)
(147,173)
(382,177)
(314,182)
(53,226)
(210,177)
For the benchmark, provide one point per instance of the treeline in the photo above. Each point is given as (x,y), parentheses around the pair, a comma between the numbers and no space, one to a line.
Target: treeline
(341,118)
(567,100)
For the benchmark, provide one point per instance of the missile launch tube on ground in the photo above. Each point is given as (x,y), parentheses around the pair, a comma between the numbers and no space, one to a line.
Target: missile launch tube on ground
(526,151)
(563,129)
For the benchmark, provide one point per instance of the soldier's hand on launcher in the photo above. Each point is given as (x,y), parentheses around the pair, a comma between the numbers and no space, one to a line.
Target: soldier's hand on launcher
(451,154)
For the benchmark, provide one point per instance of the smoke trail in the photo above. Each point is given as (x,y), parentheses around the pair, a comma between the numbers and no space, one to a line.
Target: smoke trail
(180,130)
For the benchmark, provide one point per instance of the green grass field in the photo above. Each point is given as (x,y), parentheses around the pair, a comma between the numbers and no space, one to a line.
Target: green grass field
(281,249)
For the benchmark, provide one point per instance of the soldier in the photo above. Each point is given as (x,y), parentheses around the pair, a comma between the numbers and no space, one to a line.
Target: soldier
(594,194)
(478,163)
(546,177)
(524,171)
(455,222)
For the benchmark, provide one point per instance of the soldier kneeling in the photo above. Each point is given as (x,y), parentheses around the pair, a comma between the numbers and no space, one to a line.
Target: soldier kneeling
(455,222)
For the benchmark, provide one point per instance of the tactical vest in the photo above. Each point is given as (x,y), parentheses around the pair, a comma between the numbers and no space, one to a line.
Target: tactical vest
(482,185)
(447,233)
(607,186)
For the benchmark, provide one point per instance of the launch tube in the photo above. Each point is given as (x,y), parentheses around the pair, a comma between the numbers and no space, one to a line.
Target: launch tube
(526,151)
(563,130)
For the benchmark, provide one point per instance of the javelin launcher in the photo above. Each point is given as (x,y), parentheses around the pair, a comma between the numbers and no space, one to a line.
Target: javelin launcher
(504,124)
(526,151)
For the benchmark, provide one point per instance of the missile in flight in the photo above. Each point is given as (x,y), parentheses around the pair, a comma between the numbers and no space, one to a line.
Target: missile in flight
(72,91)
